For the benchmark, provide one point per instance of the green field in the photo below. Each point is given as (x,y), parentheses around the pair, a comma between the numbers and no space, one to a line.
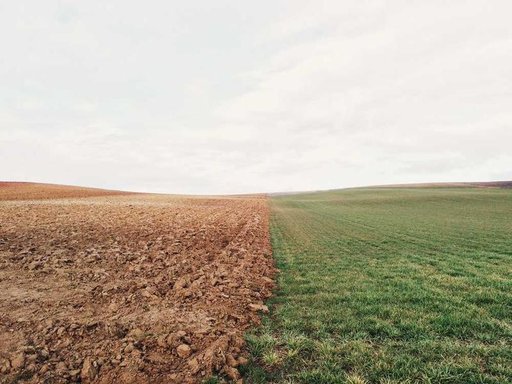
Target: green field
(389,286)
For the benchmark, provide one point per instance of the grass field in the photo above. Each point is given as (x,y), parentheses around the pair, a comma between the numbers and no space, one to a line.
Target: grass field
(389,286)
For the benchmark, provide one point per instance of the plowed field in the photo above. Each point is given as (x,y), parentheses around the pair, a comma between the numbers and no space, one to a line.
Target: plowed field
(129,288)
(36,191)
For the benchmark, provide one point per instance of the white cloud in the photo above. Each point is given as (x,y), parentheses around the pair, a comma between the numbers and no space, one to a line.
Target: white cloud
(230,97)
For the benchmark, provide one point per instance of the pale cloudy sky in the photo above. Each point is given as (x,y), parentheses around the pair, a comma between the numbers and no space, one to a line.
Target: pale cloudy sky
(255,96)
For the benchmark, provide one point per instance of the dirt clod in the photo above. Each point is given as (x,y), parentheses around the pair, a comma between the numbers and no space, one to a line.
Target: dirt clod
(137,334)
(18,361)
(232,373)
(89,369)
(183,351)
(231,361)
(258,307)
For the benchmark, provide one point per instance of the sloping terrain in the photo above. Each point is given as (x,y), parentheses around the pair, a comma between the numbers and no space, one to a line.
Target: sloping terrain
(474,184)
(38,191)
(389,286)
(130,288)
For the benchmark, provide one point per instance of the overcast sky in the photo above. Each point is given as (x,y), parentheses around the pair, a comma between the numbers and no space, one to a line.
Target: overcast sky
(255,96)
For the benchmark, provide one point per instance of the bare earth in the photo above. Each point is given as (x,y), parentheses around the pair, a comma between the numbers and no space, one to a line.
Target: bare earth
(36,191)
(128,288)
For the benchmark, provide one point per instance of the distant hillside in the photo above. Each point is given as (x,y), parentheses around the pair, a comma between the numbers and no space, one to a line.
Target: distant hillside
(476,184)
(39,191)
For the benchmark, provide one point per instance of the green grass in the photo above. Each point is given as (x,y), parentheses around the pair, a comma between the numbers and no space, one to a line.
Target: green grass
(389,286)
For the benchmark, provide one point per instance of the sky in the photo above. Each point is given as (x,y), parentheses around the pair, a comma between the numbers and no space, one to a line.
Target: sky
(216,97)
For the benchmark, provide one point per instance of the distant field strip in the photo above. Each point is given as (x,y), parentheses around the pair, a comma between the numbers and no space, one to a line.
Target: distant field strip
(390,286)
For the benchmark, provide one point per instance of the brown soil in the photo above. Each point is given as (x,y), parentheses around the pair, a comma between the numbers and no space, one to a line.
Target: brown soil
(36,191)
(133,288)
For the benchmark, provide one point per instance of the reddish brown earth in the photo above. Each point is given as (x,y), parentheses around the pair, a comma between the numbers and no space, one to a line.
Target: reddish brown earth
(130,288)
(36,191)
